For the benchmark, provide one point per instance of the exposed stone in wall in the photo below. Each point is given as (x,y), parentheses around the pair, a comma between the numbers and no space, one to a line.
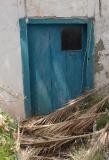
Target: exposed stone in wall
(107,75)
(101,32)
(98,48)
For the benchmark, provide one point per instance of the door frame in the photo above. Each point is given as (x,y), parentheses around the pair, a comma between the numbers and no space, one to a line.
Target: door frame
(23,23)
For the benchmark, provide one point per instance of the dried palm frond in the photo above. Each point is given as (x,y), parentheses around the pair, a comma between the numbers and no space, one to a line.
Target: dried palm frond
(48,158)
(29,121)
(41,128)
(78,125)
(56,140)
(56,130)
(100,144)
(26,154)
(98,107)
(67,112)
(52,132)
(62,114)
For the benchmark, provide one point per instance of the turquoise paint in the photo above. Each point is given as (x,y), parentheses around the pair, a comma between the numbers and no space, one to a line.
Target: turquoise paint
(58,21)
(40,68)
(67,68)
(88,68)
(25,64)
(90,56)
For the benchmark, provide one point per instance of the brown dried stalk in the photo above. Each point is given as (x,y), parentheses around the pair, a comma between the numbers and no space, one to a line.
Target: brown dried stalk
(62,114)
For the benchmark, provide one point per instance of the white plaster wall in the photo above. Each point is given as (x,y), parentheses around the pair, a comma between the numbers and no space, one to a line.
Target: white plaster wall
(10,53)
(57,8)
(102,31)
(10,58)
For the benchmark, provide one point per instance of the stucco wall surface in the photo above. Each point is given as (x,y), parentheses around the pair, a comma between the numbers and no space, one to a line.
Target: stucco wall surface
(10,59)
(10,51)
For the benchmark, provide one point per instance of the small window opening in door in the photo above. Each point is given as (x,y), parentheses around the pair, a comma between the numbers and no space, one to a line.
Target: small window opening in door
(71,38)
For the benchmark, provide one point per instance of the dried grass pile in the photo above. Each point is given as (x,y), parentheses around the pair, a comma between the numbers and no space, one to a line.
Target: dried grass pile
(50,137)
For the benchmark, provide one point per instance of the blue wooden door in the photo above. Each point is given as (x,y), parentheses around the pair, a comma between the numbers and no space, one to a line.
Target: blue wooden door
(68,67)
(57,75)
